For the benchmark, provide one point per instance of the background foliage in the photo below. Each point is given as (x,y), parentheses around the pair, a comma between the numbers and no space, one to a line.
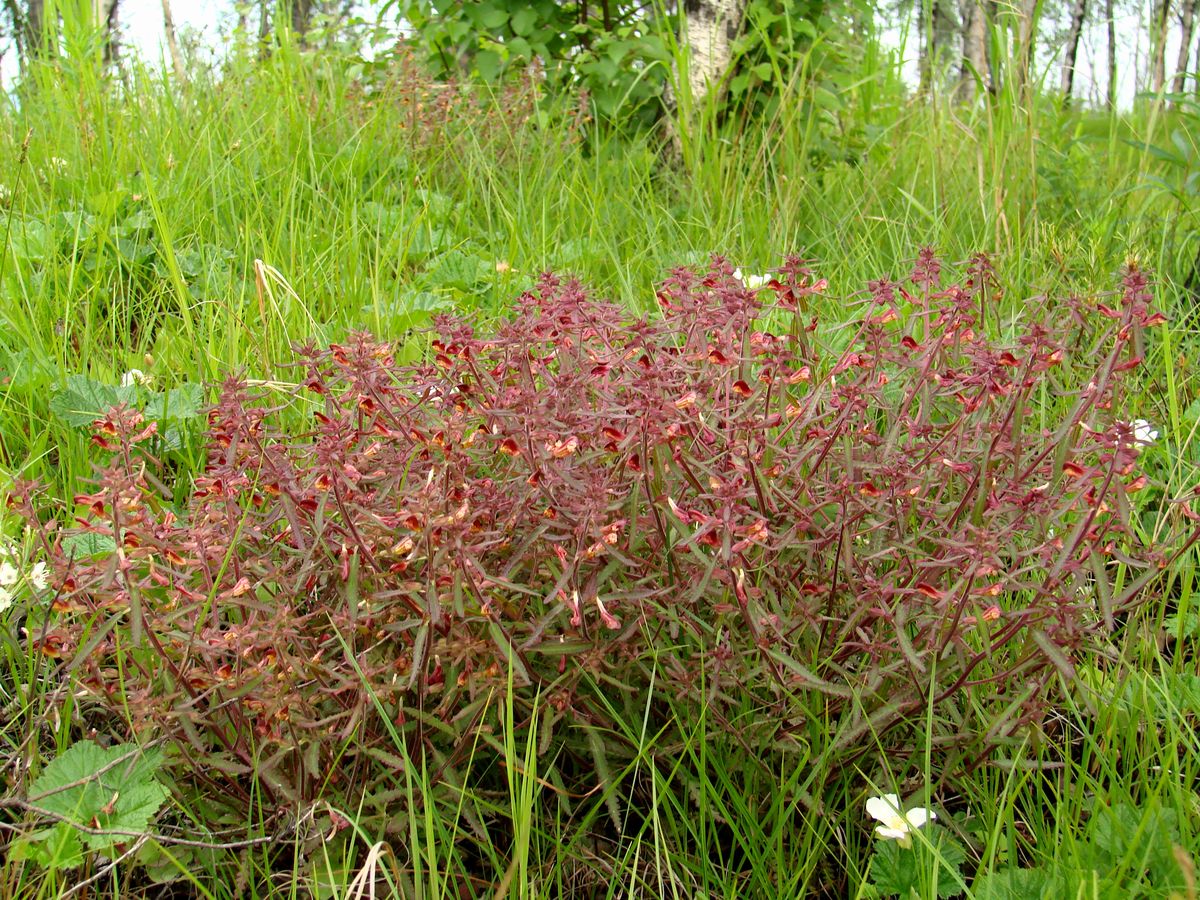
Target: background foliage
(296,193)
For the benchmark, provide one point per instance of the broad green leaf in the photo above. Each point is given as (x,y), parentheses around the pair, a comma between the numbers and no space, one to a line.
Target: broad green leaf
(1017,884)
(183,402)
(109,788)
(492,15)
(82,401)
(523,21)
(85,544)
(54,848)
(32,240)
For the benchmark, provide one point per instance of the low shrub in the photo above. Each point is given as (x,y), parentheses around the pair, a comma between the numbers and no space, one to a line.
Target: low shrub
(708,511)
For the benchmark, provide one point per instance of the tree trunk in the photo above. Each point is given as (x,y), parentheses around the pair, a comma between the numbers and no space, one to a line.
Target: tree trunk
(34,25)
(1028,37)
(974,61)
(106,14)
(1187,22)
(1158,43)
(301,17)
(173,42)
(18,32)
(928,22)
(1078,14)
(709,29)
(1110,17)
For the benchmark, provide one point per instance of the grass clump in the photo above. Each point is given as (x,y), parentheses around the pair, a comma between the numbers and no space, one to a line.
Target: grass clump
(827,545)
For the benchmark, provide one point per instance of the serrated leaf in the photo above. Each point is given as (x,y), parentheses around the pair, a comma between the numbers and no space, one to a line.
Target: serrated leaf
(425,242)
(894,870)
(909,871)
(458,269)
(604,775)
(54,848)
(110,788)
(32,240)
(1112,828)
(86,544)
(133,810)
(1016,884)
(183,402)
(82,400)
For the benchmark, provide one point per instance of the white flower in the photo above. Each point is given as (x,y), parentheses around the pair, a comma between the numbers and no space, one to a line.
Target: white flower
(8,574)
(897,826)
(58,164)
(135,376)
(5,195)
(39,576)
(5,599)
(1143,433)
(753,282)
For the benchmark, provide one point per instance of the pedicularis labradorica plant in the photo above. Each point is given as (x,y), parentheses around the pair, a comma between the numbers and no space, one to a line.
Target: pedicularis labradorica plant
(923,530)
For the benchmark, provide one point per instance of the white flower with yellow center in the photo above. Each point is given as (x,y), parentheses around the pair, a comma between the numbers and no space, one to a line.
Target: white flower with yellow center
(135,376)
(39,576)
(896,825)
(753,282)
(1144,434)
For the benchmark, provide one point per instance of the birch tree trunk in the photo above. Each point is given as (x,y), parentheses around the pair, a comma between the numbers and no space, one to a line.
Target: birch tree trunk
(173,42)
(1187,22)
(1078,14)
(18,31)
(709,29)
(1110,18)
(974,61)
(106,12)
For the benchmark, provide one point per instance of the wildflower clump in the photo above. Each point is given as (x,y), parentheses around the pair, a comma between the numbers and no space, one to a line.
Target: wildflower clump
(713,505)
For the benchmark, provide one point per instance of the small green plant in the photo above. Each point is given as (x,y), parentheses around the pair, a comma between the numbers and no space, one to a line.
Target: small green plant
(82,400)
(91,799)
(612,51)
(1125,852)
(931,867)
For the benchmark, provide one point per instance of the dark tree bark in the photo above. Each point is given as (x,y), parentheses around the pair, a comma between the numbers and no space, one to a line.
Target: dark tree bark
(938,28)
(1078,14)
(33,27)
(1187,24)
(1160,21)
(301,16)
